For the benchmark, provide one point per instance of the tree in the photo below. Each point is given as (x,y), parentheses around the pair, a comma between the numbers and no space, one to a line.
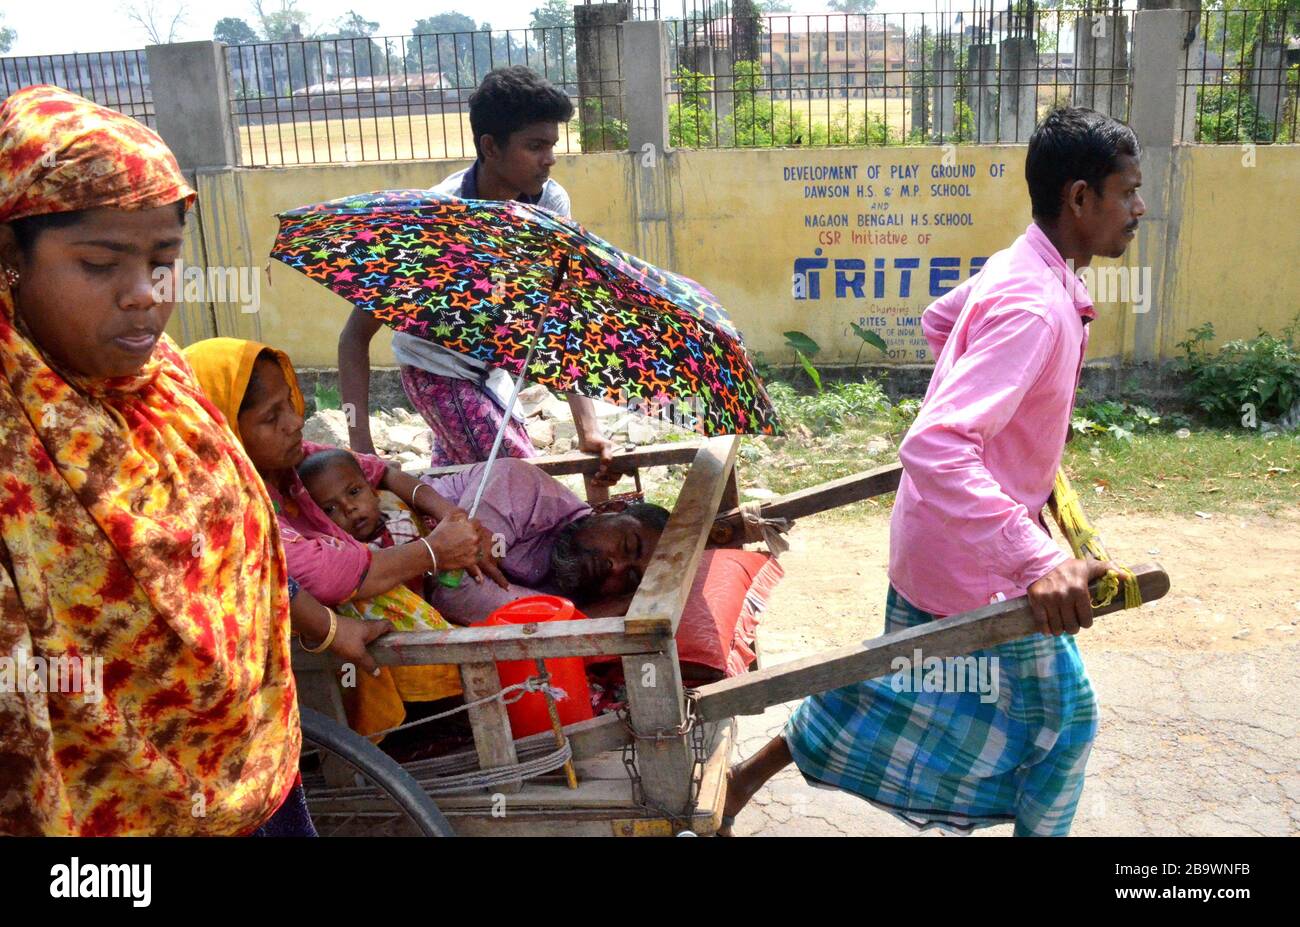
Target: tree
(453,44)
(852,6)
(8,35)
(551,14)
(556,49)
(156,25)
(287,24)
(354,53)
(233,31)
(354,26)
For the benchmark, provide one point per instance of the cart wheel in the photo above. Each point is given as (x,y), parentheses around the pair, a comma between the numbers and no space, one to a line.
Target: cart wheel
(355,789)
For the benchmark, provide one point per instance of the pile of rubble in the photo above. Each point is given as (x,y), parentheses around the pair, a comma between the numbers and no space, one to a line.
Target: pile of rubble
(403,436)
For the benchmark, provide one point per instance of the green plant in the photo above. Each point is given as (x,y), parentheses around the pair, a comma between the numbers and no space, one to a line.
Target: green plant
(1260,375)
(690,121)
(1227,114)
(963,129)
(600,131)
(761,122)
(326,397)
(867,337)
(804,348)
(1118,418)
(837,407)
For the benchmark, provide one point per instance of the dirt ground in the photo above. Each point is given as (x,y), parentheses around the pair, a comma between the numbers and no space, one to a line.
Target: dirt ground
(1234,584)
(1198,691)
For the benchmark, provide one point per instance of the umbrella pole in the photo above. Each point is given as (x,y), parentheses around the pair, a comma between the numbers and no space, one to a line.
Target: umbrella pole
(514,396)
(505,422)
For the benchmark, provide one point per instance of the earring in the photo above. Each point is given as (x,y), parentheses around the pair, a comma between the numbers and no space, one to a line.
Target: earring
(11,277)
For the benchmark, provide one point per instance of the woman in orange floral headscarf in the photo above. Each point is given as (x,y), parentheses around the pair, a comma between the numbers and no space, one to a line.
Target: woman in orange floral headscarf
(133,529)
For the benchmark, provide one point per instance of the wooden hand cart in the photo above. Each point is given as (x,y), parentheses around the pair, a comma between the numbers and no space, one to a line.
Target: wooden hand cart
(661,768)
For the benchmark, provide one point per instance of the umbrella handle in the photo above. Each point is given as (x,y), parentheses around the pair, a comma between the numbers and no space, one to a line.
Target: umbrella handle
(451,579)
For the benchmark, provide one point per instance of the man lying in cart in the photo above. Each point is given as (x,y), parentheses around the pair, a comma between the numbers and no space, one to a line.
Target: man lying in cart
(544,538)
(966,530)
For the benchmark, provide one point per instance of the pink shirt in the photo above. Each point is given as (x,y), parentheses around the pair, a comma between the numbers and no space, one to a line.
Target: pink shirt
(979,463)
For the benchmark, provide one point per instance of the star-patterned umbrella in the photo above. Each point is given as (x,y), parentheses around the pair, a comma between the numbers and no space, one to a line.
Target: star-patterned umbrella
(519,288)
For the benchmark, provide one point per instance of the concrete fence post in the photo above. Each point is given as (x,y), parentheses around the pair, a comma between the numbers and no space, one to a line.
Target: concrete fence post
(1158,91)
(1017,90)
(645,99)
(1157,116)
(724,96)
(982,90)
(600,63)
(1193,53)
(1101,64)
(1267,77)
(191,99)
(945,85)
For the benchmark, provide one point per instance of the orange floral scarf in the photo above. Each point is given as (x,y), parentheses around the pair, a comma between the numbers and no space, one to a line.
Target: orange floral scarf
(136,538)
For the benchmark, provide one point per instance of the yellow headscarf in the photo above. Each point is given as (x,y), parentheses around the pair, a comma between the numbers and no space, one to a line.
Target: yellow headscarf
(136,543)
(224,367)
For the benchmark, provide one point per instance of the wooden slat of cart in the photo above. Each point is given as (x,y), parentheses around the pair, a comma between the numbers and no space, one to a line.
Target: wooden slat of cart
(652,455)
(654,683)
(814,499)
(587,637)
(493,739)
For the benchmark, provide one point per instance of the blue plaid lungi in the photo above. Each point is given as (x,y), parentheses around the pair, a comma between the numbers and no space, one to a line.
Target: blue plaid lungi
(951,759)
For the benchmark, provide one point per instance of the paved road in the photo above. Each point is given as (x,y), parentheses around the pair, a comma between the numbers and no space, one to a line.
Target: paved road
(1191,744)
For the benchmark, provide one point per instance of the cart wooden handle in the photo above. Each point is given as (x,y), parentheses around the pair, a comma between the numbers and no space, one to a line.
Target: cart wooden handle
(998,623)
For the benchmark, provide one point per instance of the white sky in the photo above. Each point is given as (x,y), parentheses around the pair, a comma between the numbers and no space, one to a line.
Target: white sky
(102,25)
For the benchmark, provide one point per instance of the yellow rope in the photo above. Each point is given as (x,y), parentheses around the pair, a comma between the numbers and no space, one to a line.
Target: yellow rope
(1085,542)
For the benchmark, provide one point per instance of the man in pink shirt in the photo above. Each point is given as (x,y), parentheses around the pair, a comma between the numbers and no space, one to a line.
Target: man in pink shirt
(967,528)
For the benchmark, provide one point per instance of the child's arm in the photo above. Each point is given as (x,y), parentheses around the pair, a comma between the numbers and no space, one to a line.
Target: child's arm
(419,495)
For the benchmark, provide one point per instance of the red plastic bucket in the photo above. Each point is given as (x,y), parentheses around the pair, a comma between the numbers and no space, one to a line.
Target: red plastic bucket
(530,715)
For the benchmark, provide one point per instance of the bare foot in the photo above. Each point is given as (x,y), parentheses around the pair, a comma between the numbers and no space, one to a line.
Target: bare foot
(732,806)
(748,776)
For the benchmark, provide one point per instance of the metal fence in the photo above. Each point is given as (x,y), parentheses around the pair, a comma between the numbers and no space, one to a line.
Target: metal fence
(1242,77)
(957,75)
(406,97)
(736,78)
(116,79)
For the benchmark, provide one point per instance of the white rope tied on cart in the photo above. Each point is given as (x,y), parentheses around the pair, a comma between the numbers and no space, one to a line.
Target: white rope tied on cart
(496,776)
(508,696)
(439,776)
(769,531)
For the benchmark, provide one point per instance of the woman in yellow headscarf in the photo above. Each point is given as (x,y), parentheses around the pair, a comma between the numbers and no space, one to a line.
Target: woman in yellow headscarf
(137,544)
(257,391)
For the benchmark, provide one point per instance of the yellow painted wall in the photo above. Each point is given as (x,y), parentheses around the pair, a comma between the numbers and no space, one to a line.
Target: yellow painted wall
(1238,254)
(735,221)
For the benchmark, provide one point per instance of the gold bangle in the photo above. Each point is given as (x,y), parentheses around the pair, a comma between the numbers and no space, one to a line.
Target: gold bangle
(329,638)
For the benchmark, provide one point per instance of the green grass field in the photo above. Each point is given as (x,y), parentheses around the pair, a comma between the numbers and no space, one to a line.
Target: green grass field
(369,138)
